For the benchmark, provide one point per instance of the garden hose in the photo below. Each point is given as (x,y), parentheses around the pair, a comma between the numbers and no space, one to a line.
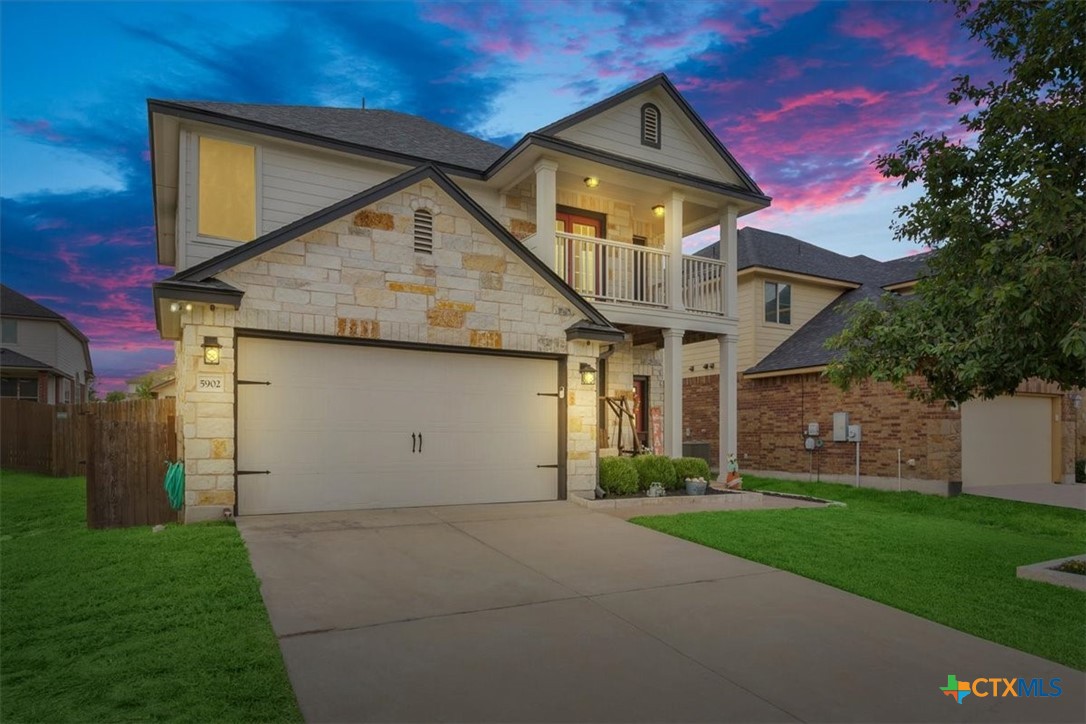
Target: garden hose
(175,484)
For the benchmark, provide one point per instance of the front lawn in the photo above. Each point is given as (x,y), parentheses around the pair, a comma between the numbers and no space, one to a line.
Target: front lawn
(950,560)
(128,625)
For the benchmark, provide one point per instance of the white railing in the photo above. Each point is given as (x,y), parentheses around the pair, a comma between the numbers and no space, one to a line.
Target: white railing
(611,271)
(704,285)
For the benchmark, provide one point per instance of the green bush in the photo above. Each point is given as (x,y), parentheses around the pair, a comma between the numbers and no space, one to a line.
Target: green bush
(655,469)
(1080,471)
(618,476)
(691,468)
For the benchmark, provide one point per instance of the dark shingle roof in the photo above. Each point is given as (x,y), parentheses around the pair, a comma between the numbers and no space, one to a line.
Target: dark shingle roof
(379,129)
(806,346)
(13,304)
(11,359)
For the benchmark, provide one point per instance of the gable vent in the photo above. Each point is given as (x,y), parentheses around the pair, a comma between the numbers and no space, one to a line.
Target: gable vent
(424,232)
(650,125)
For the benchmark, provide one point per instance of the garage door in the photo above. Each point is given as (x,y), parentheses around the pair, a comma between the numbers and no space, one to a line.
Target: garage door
(1007,441)
(343,427)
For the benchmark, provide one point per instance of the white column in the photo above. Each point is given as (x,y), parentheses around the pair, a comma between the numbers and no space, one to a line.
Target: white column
(546,198)
(729,252)
(673,392)
(728,434)
(673,242)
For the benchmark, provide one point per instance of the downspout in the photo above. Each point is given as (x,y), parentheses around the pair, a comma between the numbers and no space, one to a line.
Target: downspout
(604,354)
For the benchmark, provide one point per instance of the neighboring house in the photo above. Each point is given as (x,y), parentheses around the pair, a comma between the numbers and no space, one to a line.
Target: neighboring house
(793,296)
(161,383)
(373,310)
(43,357)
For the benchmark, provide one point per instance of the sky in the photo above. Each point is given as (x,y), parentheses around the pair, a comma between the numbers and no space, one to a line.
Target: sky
(804,94)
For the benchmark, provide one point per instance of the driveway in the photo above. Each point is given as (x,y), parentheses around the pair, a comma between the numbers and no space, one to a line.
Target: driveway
(550,612)
(1069,495)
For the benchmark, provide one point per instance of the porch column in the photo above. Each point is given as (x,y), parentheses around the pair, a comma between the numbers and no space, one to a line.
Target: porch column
(728,434)
(729,253)
(546,198)
(673,242)
(673,392)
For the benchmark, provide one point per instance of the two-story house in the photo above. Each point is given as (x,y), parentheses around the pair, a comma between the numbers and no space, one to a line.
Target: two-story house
(793,296)
(43,356)
(373,310)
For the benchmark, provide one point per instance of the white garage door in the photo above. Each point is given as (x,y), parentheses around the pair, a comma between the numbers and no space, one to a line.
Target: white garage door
(342,427)
(1007,441)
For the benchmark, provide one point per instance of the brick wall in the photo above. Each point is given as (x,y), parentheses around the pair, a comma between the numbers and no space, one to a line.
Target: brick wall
(774,412)
(701,413)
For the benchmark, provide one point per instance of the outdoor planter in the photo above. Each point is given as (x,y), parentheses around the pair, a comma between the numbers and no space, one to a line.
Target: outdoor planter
(695,486)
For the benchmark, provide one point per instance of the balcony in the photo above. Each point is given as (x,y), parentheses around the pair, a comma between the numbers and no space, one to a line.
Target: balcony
(608,271)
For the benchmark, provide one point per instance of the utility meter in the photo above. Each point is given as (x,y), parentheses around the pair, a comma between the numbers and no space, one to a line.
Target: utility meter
(854,433)
(812,429)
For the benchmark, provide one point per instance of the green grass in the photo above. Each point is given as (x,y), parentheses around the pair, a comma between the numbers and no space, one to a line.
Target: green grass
(128,625)
(950,560)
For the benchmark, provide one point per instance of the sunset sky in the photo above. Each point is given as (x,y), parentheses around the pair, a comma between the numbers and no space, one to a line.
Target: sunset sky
(804,95)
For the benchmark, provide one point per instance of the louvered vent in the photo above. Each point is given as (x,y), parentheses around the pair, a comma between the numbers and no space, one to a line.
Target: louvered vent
(424,232)
(650,125)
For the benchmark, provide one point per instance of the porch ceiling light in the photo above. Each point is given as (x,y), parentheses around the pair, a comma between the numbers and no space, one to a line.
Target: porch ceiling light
(591,182)
(658,211)
(588,374)
(211,350)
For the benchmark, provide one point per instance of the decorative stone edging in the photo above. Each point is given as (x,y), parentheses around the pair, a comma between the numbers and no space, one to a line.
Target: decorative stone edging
(1044,573)
(799,496)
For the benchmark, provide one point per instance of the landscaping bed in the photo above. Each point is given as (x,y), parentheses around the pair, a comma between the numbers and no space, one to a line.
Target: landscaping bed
(112,625)
(950,560)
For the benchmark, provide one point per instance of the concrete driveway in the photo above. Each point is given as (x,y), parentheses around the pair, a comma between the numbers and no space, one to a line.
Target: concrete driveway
(550,612)
(1068,495)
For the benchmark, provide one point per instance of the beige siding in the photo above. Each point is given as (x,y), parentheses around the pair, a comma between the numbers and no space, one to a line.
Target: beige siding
(70,356)
(618,131)
(702,353)
(37,340)
(807,301)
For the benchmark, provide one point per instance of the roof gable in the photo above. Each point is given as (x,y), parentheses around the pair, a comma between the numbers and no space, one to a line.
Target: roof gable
(202,274)
(687,142)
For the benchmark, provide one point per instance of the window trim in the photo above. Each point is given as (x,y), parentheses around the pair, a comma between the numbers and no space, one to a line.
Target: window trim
(777,300)
(645,139)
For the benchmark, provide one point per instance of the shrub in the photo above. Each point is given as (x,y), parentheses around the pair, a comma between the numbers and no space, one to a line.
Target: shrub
(691,468)
(655,469)
(1080,471)
(618,476)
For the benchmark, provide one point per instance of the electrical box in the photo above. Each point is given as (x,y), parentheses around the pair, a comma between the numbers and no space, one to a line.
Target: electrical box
(812,429)
(853,433)
(840,427)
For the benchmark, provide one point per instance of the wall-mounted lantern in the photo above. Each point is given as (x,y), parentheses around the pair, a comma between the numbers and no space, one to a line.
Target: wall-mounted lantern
(658,211)
(211,350)
(588,374)
(591,182)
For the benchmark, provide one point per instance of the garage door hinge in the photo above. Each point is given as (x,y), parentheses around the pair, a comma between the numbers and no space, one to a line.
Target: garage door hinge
(252,382)
(254,472)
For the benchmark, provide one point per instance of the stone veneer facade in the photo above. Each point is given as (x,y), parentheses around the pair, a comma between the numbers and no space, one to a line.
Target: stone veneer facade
(360,277)
(774,412)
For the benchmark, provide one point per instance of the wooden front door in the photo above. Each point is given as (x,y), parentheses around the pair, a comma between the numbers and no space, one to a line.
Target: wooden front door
(583,263)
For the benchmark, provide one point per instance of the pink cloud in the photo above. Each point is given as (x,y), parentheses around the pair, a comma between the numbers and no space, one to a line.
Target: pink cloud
(40,130)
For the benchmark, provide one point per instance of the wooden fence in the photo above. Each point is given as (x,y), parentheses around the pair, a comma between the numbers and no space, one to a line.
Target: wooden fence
(121,447)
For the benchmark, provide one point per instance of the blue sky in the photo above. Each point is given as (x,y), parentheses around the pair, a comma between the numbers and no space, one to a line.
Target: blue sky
(804,94)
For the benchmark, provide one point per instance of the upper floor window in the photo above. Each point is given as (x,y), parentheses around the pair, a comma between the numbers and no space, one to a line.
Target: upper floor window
(650,125)
(778,302)
(424,231)
(10,333)
(226,200)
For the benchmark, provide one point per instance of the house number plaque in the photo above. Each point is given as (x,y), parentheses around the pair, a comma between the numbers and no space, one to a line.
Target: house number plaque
(209,383)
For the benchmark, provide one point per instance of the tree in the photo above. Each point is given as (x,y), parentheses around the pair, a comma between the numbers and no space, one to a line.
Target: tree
(1004,211)
(116,396)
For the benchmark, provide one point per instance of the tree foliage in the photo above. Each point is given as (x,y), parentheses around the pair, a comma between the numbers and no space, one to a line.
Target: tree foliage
(1005,214)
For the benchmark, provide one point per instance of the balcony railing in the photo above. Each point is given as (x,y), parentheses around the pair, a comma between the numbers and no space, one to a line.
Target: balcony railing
(609,271)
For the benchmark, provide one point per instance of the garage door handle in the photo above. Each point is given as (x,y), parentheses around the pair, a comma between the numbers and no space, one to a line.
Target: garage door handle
(420,442)
(412,442)
(546,466)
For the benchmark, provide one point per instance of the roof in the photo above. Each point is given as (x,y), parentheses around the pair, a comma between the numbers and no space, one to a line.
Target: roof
(14,304)
(201,276)
(806,346)
(10,359)
(381,130)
